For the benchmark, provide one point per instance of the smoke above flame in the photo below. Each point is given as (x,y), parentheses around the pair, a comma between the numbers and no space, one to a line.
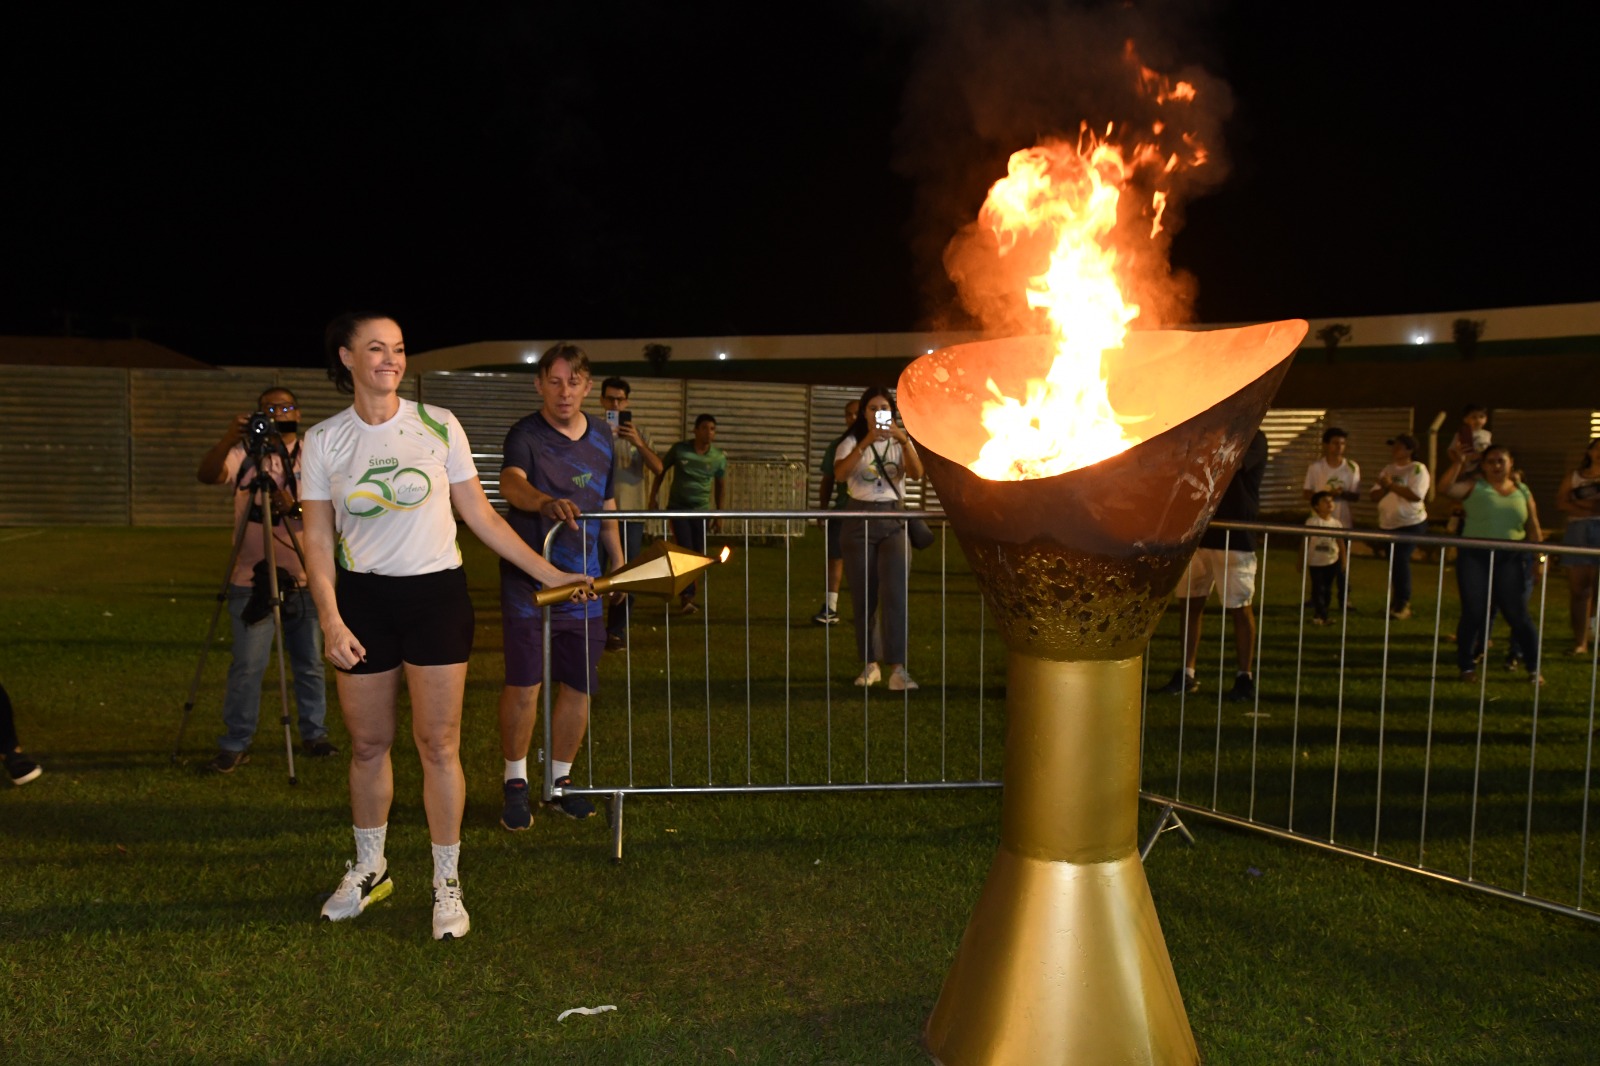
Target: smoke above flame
(1073,229)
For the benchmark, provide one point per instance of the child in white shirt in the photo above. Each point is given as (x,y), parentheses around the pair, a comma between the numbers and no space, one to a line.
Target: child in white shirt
(1322,556)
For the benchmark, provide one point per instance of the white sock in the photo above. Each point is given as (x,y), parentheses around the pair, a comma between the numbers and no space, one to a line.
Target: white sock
(1188,671)
(832,600)
(369,846)
(446,862)
(562,769)
(517,768)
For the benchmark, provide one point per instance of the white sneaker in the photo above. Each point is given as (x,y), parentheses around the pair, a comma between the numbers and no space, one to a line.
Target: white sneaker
(450,920)
(871,675)
(900,681)
(360,889)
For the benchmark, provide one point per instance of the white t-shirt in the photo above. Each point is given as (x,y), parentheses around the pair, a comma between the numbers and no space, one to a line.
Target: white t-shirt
(1323,551)
(390,487)
(628,472)
(866,483)
(1346,477)
(1395,511)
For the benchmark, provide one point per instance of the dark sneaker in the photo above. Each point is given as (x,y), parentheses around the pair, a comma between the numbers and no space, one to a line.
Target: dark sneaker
(825,617)
(571,806)
(517,814)
(1243,690)
(1181,682)
(226,762)
(320,748)
(615,642)
(21,769)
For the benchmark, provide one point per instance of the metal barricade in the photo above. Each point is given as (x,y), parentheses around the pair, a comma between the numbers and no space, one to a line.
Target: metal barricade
(749,694)
(1358,737)
(768,483)
(1363,737)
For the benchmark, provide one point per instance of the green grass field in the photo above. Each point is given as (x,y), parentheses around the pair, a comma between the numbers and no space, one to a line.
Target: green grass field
(152,914)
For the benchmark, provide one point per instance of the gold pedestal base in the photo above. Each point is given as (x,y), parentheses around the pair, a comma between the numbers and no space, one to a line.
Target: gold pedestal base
(1063,960)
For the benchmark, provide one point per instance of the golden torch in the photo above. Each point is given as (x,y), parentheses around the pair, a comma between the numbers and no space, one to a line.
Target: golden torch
(1063,960)
(663,569)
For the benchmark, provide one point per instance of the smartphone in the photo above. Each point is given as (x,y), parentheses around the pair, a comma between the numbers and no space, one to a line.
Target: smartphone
(624,417)
(611,418)
(883,419)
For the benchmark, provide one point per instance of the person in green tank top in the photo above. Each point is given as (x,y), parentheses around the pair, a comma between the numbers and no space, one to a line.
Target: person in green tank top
(698,482)
(1497,507)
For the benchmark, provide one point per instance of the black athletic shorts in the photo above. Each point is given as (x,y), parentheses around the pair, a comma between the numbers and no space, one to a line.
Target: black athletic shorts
(425,620)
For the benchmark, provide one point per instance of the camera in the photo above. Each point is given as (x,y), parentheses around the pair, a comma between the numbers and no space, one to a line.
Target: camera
(259,430)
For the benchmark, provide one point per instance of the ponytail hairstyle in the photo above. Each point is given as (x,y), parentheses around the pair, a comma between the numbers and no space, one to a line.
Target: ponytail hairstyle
(340,332)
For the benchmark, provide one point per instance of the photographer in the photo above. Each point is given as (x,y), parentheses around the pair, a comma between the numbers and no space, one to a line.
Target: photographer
(233,460)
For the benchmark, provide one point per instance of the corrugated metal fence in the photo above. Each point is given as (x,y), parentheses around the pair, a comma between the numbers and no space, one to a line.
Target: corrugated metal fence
(115,447)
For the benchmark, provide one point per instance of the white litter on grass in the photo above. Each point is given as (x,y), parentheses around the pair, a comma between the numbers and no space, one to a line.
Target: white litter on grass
(585,1010)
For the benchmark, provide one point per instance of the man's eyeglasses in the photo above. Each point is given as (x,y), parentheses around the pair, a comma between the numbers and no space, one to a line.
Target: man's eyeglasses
(280,408)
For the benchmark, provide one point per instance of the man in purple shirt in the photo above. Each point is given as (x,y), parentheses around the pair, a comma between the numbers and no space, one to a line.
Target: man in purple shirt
(557,466)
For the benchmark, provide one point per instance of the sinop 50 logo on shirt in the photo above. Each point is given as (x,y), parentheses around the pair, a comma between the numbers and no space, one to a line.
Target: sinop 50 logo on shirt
(387,486)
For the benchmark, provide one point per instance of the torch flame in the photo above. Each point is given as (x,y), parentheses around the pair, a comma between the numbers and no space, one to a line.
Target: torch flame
(1068,195)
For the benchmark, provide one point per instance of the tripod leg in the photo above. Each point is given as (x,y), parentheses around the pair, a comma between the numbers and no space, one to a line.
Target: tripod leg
(211,633)
(269,543)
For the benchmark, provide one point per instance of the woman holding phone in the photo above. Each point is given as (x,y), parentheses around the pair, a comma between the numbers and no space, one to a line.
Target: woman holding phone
(378,484)
(874,458)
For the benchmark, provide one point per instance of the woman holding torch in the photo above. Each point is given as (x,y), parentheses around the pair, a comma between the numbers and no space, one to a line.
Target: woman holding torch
(379,481)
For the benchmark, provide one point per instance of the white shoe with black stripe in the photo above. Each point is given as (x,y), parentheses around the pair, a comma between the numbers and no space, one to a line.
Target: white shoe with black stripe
(450,920)
(359,890)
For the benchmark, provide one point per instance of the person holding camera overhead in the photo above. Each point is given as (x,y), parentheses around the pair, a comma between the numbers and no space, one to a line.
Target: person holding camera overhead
(873,461)
(228,461)
(381,480)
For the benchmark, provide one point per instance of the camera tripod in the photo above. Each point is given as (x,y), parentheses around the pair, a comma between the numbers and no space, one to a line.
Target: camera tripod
(261,489)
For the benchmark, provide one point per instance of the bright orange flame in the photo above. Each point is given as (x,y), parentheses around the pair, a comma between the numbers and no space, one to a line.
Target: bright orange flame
(1068,195)
(722,556)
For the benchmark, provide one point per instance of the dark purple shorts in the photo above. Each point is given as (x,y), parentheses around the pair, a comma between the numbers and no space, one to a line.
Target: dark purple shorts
(576,644)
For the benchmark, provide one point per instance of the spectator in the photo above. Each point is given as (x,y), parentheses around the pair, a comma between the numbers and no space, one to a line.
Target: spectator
(1496,507)
(1471,440)
(19,767)
(386,572)
(1401,489)
(834,494)
(1322,556)
(1335,474)
(558,464)
(1579,499)
(873,461)
(698,485)
(632,456)
(1226,561)
(248,590)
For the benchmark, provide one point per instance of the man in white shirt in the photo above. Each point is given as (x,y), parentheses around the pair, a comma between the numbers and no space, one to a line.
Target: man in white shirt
(632,457)
(1341,477)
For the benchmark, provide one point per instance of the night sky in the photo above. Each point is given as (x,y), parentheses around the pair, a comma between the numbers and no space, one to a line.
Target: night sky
(521,170)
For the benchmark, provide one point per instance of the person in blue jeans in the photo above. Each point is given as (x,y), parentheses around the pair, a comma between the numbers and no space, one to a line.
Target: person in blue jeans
(1496,507)
(247,598)
(1400,491)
